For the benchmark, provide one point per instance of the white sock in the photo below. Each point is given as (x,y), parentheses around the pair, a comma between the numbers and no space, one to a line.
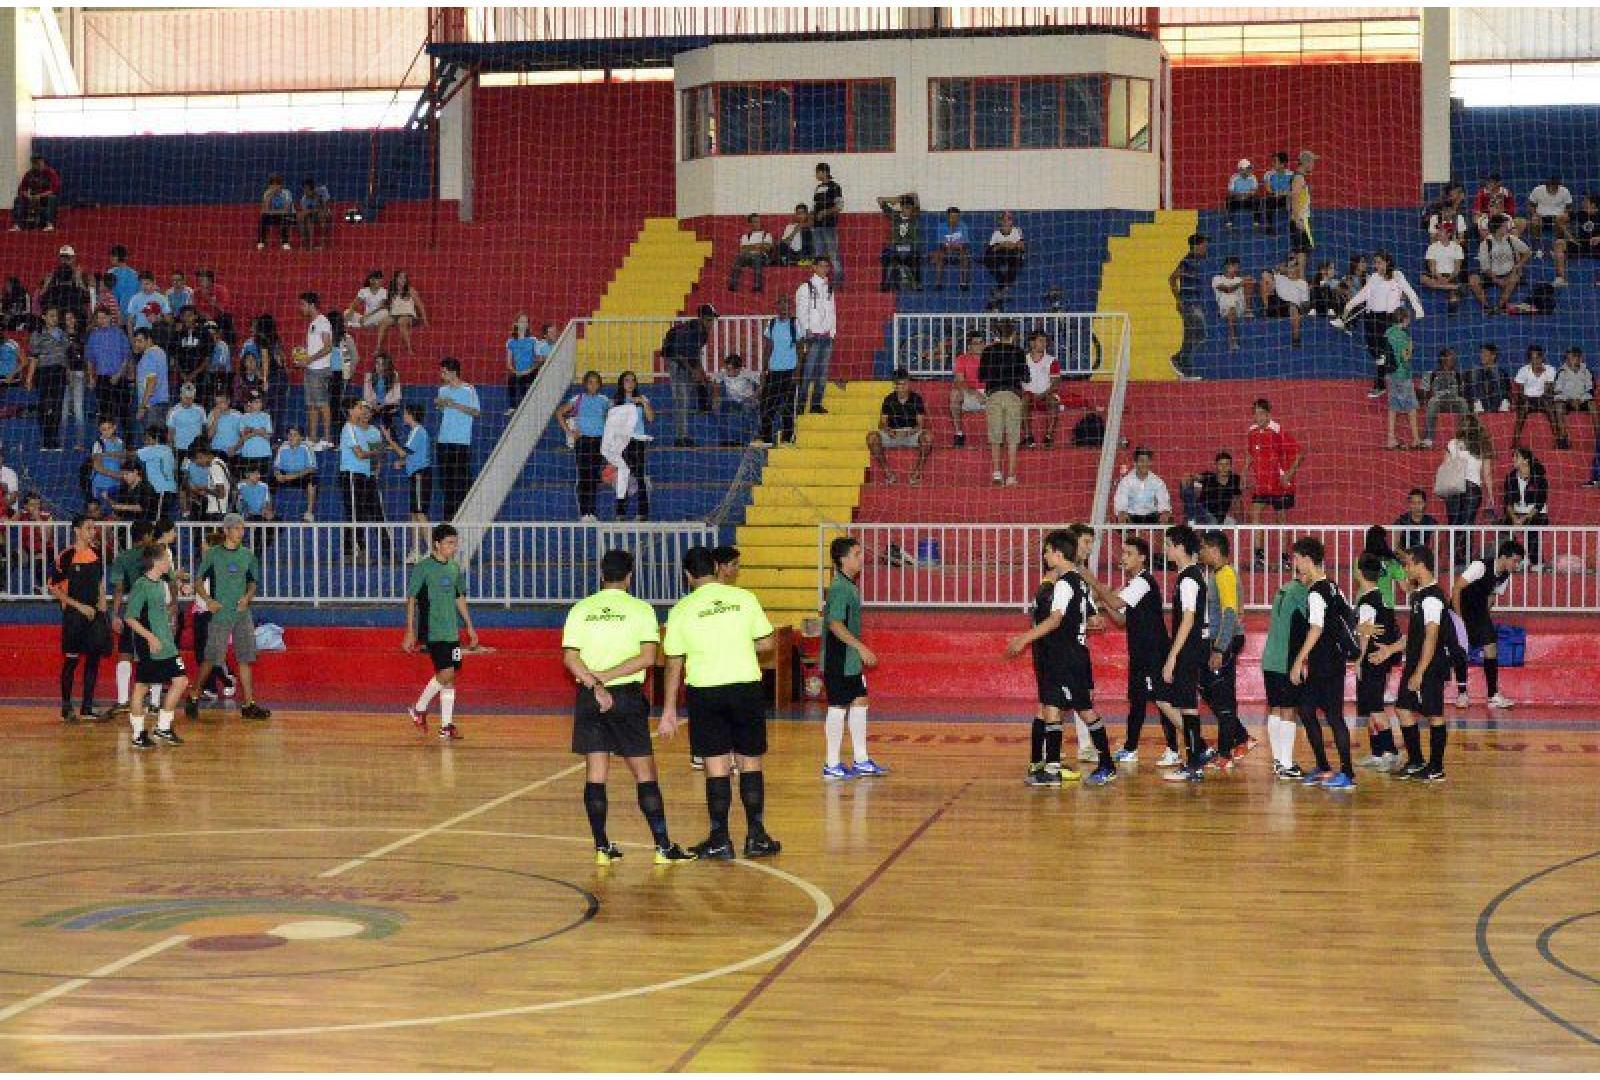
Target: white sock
(124,680)
(833,731)
(1280,752)
(155,697)
(136,721)
(858,732)
(1084,738)
(428,694)
(164,720)
(447,706)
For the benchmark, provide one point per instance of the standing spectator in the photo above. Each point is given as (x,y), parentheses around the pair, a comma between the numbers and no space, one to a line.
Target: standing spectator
(818,319)
(317,359)
(826,202)
(1285,293)
(48,347)
(189,347)
(77,379)
(370,308)
(1549,207)
(1003,369)
(1272,458)
(1526,498)
(417,460)
(215,489)
(219,362)
(1416,525)
(1243,194)
(361,448)
(457,403)
(1535,392)
(1004,255)
(109,357)
(343,363)
(1446,393)
(798,245)
(266,347)
(1376,304)
(255,436)
(1300,241)
(248,381)
(255,499)
(584,420)
(1502,259)
(521,362)
(1402,391)
(160,469)
(1232,290)
(382,391)
(38,196)
(179,295)
(1141,497)
(10,484)
(295,466)
(1471,457)
(224,425)
(966,390)
(1208,498)
(277,212)
(683,349)
(1574,384)
(68,287)
(406,311)
(1184,281)
(1583,231)
(735,392)
(105,299)
(901,258)
(1493,200)
(1444,259)
(1041,391)
(16,306)
(16,371)
(633,455)
(902,425)
(127,278)
(314,213)
(186,423)
(213,302)
(148,309)
(1275,199)
(755,251)
(107,459)
(954,246)
(782,342)
(1487,388)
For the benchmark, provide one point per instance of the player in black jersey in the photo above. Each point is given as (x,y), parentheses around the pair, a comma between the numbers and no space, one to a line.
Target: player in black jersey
(1378,629)
(1179,692)
(1319,666)
(1137,607)
(78,584)
(1476,589)
(1427,648)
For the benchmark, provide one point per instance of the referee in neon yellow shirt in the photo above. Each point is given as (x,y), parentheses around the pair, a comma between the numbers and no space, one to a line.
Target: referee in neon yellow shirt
(1219,680)
(713,637)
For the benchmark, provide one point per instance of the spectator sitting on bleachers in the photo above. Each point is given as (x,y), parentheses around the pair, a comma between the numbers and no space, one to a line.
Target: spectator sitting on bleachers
(1042,390)
(1583,231)
(38,197)
(1493,200)
(255,435)
(295,466)
(1502,258)
(248,380)
(1534,389)
(1446,216)
(901,257)
(1445,392)
(314,213)
(1141,497)
(135,498)
(16,306)
(798,245)
(255,497)
(1328,297)
(903,425)
(1525,499)
(370,308)
(1243,194)
(1486,384)
(966,391)
(67,287)
(105,299)
(190,349)
(1209,497)
(755,251)
(1285,293)
(223,425)
(34,544)
(953,246)
(1444,260)
(1233,291)
(382,390)
(1574,384)
(405,311)
(148,309)
(736,391)
(1003,257)
(179,295)
(1279,181)
(277,212)
(1415,526)
(1549,210)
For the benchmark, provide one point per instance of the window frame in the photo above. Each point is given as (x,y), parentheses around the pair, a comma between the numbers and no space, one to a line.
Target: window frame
(1109,83)
(707,136)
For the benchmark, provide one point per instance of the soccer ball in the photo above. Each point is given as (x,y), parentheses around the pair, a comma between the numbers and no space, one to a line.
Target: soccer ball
(608,475)
(813,687)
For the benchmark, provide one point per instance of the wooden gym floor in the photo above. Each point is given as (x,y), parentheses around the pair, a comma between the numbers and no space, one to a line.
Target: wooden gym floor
(328,891)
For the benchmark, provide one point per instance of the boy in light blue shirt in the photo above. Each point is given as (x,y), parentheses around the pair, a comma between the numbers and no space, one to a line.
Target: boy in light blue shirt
(160,467)
(186,422)
(225,424)
(255,498)
(458,408)
(147,306)
(296,467)
(255,434)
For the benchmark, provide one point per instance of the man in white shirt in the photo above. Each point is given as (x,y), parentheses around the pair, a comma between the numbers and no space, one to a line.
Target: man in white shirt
(1444,261)
(1232,290)
(1039,392)
(1535,392)
(368,310)
(818,321)
(1141,497)
(755,251)
(741,390)
(317,359)
(1574,384)
(1004,255)
(1549,203)
(1502,258)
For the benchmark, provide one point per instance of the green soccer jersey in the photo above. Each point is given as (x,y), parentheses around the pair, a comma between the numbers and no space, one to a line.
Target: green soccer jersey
(608,629)
(147,602)
(842,604)
(1393,576)
(228,573)
(435,586)
(125,569)
(715,629)
(1286,606)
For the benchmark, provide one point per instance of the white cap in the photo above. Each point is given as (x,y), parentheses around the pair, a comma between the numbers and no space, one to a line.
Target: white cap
(1244,164)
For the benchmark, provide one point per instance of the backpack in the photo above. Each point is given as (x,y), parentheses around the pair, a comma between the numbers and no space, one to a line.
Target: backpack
(1090,430)
(1544,298)
(1340,624)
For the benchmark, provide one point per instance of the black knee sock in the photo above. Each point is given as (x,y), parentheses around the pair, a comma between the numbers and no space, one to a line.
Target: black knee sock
(1438,735)
(1341,743)
(1224,736)
(1241,734)
(1382,741)
(1491,674)
(1169,732)
(1191,738)
(1460,668)
(1097,732)
(1036,743)
(1136,710)
(91,677)
(753,793)
(1413,739)
(655,811)
(69,674)
(594,804)
(719,798)
(1052,744)
(1313,727)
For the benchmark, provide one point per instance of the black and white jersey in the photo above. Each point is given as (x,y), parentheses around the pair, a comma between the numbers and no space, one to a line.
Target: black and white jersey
(1068,641)
(1481,584)
(1189,595)
(1148,640)
(1370,608)
(1427,609)
(1325,658)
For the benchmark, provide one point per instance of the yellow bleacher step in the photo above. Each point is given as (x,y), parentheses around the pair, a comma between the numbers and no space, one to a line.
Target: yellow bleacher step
(770,559)
(785,537)
(771,494)
(821,476)
(787,599)
(799,457)
(834,438)
(1134,280)
(779,578)
(798,515)
(655,278)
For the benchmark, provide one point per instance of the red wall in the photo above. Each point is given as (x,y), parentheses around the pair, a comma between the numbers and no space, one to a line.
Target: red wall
(1365,120)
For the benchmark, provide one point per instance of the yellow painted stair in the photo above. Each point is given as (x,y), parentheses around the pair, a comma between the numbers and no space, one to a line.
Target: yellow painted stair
(1134,280)
(816,481)
(655,278)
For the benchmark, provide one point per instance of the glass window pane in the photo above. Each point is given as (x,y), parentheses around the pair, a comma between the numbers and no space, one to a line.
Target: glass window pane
(1117,115)
(776,107)
(819,117)
(1082,110)
(1041,112)
(873,106)
(733,119)
(1138,114)
(952,114)
(994,108)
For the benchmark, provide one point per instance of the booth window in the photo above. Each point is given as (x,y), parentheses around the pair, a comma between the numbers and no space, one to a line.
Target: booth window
(1040,112)
(813,117)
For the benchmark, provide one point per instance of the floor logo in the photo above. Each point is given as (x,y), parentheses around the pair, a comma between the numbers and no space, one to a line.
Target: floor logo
(233,924)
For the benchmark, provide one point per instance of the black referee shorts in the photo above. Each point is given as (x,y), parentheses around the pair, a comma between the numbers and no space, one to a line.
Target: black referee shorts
(624,729)
(77,635)
(729,719)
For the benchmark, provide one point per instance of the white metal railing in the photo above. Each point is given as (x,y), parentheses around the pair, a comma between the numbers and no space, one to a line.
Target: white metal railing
(998,565)
(926,344)
(334,563)
(634,344)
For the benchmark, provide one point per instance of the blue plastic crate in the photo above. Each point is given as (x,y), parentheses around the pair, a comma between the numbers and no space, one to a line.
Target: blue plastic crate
(1513,642)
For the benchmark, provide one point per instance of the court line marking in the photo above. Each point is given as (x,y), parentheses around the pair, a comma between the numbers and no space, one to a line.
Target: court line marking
(63,989)
(821,901)
(466,815)
(53,799)
(715,1031)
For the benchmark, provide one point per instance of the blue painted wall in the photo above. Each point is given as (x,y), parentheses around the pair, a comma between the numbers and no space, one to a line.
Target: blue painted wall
(1525,145)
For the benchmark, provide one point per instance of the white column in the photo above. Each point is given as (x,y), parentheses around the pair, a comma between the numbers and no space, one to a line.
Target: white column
(16,103)
(455,150)
(1435,95)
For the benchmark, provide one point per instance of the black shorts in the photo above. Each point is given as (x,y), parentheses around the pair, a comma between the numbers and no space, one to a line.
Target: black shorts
(420,491)
(1372,683)
(843,690)
(77,635)
(1430,700)
(1281,693)
(1065,683)
(159,672)
(1183,692)
(1323,692)
(1299,239)
(1481,631)
(445,655)
(727,719)
(125,642)
(1142,679)
(623,729)
(1276,502)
